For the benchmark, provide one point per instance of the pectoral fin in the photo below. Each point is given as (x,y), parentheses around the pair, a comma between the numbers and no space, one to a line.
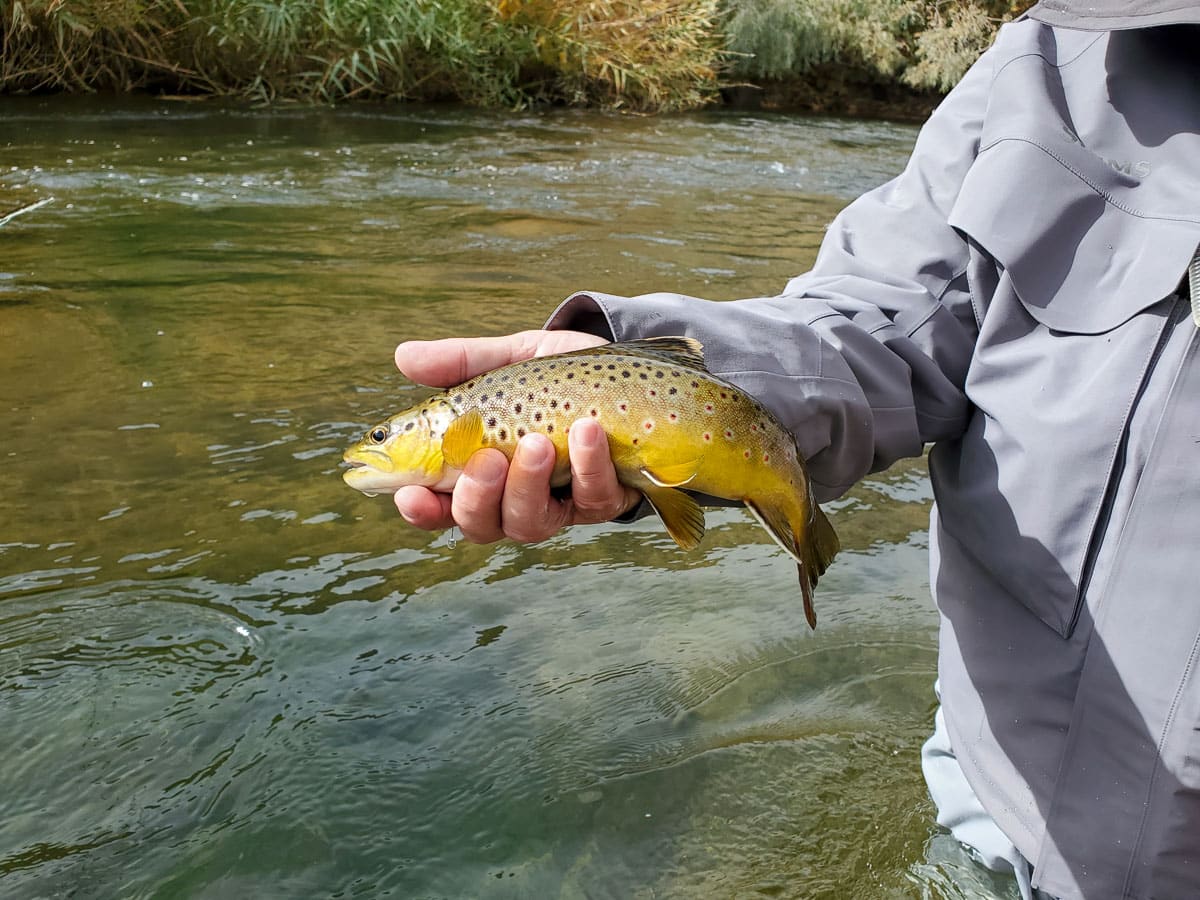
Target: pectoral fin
(462,438)
(681,515)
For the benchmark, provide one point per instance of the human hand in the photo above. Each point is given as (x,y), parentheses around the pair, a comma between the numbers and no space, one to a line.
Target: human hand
(494,499)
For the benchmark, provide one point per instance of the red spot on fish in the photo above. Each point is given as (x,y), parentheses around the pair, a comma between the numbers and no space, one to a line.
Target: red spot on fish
(708,407)
(649,425)
(672,417)
(593,412)
(566,404)
(707,436)
(746,454)
(728,434)
(653,393)
(635,440)
(724,395)
(754,428)
(766,457)
(623,407)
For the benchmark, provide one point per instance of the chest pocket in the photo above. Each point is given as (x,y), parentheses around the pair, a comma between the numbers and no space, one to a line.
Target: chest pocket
(1073,287)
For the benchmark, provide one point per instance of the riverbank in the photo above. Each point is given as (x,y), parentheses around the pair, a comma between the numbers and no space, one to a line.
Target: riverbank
(892,57)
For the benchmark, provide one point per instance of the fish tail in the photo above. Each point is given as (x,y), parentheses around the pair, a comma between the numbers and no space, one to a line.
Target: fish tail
(808,537)
(817,550)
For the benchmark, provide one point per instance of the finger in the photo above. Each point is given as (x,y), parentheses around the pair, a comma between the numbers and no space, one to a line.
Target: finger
(528,511)
(596,495)
(423,508)
(453,360)
(477,495)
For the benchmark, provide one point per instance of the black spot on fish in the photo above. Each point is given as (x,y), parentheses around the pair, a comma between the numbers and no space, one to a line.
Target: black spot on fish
(409,426)
(522,380)
(537,417)
(643,376)
(483,399)
(504,434)
(637,365)
(549,427)
(612,377)
(570,374)
(673,391)
(554,404)
(658,374)
(458,398)
(517,407)
(626,373)
(597,367)
(612,366)
(499,395)
(491,423)
(488,380)
(520,432)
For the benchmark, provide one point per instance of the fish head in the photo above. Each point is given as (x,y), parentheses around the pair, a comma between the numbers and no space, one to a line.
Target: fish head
(399,451)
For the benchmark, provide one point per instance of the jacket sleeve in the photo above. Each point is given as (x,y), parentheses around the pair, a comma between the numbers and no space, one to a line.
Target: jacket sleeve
(864,357)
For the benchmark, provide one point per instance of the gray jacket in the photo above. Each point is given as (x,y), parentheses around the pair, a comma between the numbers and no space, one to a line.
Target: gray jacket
(1014,299)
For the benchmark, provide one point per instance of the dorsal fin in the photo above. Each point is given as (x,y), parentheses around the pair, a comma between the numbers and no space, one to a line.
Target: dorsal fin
(678,351)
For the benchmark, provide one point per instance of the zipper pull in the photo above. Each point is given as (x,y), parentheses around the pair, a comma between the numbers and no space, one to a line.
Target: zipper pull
(1194,287)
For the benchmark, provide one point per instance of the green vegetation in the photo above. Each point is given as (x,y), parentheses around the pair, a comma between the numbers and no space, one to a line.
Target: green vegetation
(926,44)
(647,55)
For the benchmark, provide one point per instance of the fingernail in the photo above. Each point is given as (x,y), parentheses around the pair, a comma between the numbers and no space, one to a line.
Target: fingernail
(531,451)
(486,467)
(402,507)
(587,437)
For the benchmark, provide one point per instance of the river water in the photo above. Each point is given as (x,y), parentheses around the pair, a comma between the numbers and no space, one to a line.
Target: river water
(225,674)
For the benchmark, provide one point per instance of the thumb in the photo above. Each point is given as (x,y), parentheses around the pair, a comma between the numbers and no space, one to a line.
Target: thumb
(452,361)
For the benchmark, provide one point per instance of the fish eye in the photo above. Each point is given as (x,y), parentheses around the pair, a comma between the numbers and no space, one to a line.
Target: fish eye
(377,435)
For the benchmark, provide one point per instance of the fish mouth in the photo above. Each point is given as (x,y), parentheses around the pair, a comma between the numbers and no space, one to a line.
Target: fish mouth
(370,471)
(357,458)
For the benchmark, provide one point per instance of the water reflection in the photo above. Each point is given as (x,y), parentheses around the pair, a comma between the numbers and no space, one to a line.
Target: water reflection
(225,674)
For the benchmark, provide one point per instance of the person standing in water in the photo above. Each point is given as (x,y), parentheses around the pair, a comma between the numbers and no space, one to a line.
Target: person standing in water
(1019,298)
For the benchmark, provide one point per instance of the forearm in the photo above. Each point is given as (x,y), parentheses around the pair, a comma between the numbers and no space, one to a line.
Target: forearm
(864,357)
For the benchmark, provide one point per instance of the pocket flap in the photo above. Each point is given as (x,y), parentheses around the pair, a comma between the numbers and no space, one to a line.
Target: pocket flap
(1081,257)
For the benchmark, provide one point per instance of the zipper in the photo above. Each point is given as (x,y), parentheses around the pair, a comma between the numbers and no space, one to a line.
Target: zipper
(1193,280)
(1100,527)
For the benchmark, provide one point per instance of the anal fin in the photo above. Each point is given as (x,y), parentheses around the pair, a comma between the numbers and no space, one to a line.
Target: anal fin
(813,550)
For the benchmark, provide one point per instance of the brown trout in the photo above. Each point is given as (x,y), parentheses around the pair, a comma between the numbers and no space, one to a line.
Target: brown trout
(670,424)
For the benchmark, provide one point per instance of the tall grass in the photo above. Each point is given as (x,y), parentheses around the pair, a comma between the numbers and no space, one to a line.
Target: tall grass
(926,44)
(647,55)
